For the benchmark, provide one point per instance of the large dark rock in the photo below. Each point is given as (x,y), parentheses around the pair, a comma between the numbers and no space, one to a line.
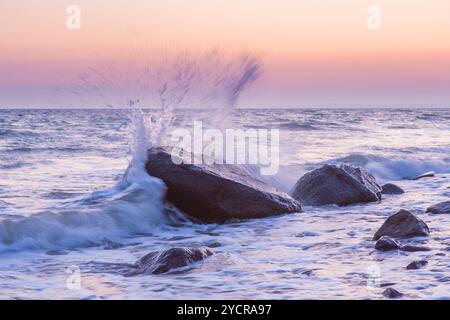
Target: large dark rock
(443,207)
(386,243)
(336,184)
(158,262)
(403,224)
(390,188)
(216,193)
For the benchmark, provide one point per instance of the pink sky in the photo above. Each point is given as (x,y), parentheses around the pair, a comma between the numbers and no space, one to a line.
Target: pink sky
(314,52)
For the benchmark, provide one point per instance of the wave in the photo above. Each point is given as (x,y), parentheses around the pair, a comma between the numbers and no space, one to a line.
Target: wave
(395,168)
(129,209)
(14,165)
(17,133)
(297,126)
(135,206)
(24,149)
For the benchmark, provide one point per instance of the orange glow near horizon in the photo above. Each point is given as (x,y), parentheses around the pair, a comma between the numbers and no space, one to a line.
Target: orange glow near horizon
(310,49)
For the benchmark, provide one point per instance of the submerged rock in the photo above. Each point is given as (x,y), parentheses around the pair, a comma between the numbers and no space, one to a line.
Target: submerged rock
(216,193)
(390,188)
(416,265)
(57,252)
(413,248)
(386,243)
(424,175)
(443,207)
(391,293)
(403,224)
(337,184)
(158,262)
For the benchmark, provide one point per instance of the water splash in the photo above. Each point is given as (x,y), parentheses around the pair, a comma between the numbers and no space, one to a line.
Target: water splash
(213,80)
(135,206)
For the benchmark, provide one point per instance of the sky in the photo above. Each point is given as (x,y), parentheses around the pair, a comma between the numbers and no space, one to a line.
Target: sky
(313,53)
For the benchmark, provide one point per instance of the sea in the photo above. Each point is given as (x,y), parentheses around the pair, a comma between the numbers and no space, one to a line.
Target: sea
(74,196)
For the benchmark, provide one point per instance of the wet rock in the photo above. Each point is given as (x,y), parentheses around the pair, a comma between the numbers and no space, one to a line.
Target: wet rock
(416,265)
(403,224)
(386,243)
(391,188)
(57,252)
(443,207)
(413,248)
(424,175)
(159,262)
(391,293)
(336,184)
(216,193)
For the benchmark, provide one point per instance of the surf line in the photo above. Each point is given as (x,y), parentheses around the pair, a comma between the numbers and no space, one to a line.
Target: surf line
(196,311)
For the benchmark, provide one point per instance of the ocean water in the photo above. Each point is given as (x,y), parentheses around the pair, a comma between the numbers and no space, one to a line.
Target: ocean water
(68,204)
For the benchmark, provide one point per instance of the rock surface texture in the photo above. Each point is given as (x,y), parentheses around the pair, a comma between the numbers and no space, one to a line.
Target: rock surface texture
(391,293)
(390,188)
(416,265)
(159,262)
(216,193)
(424,175)
(403,224)
(443,207)
(337,184)
(386,243)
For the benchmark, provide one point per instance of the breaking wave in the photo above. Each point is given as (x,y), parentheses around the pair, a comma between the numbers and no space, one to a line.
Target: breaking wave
(396,168)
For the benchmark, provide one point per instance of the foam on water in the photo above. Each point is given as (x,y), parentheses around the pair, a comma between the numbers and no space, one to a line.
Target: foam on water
(133,207)
(396,168)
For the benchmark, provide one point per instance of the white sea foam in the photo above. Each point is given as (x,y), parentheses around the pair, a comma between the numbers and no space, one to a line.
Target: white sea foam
(113,216)
(399,169)
(267,256)
(135,206)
